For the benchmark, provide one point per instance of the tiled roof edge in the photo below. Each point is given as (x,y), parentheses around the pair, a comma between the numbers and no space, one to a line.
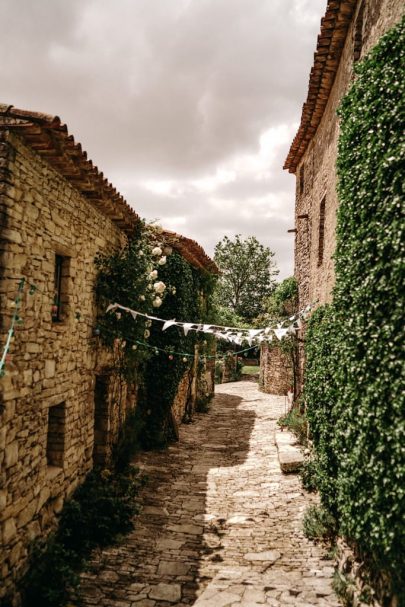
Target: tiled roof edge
(191,251)
(50,138)
(331,40)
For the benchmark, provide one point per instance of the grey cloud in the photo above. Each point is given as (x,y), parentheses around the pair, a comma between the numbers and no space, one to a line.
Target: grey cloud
(169,89)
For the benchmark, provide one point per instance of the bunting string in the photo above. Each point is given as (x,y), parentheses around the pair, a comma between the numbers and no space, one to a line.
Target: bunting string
(236,335)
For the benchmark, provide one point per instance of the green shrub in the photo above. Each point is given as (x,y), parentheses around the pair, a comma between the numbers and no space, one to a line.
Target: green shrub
(309,475)
(319,524)
(52,575)
(99,511)
(296,422)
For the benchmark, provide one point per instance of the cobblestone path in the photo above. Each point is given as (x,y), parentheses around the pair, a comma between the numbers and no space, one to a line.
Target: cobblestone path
(220,525)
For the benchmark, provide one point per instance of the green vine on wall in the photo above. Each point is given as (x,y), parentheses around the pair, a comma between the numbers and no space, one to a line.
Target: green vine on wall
(355,349)
(164,372)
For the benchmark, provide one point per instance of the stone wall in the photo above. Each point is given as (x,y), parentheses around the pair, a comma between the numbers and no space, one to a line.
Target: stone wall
(185,393)
(316,173)
(48,421)
(276,374)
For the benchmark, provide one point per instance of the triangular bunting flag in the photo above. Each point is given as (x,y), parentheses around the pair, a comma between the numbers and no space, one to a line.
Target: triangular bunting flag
(167,324)
(112,307)
(186,327)
(280,333)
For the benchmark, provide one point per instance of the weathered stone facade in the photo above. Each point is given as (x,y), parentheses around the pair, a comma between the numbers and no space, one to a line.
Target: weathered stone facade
(61,404)
(48,393)
(315,169)
(276,374)
(349,30)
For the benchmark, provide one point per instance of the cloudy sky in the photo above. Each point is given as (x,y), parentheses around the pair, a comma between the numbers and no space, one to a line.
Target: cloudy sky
(187,106)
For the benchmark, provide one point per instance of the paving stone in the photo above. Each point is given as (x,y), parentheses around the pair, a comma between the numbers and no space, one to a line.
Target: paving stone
(166,592)
(270,556)
(221,524)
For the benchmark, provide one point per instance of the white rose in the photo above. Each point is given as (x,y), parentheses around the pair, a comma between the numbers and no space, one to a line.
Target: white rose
(157,302)
(146,334)
(142,297)
(174,290)
(153,274)
(157,251)
(159,287)
(162,261)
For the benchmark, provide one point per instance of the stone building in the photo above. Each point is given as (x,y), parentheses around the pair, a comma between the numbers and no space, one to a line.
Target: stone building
(276,372)
(60,409)
(349,29)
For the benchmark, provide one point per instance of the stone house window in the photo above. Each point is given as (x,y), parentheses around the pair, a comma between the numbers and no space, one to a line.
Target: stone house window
(358,34)
(302,180)
(321,231)
(55,440)
(60,288)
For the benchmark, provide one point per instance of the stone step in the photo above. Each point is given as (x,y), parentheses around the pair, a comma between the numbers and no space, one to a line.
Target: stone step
(290,455)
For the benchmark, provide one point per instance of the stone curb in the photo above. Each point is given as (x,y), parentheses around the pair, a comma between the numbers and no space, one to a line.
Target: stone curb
(290,456)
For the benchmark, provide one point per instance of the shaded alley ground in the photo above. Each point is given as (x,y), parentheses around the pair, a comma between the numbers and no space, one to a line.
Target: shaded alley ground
(220,524)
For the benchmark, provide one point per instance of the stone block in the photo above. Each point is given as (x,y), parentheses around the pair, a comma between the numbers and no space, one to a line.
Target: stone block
(50,366)
(11,454)
(166,592)
(26,515)
(9,530)
(290,455)
(3,500)
(43,498)
(33,347)
(172,568)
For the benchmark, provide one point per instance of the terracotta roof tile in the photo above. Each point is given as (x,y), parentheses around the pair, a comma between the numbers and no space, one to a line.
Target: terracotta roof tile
(331,40)
(50,139)
(191,251)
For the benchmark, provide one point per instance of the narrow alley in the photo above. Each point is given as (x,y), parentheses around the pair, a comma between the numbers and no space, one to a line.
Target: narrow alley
(220,524)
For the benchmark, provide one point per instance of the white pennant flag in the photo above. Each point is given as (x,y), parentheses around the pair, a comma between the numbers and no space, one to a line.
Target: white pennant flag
(167,324)
(280,333)
(133,314)
(254,332)
(186,327)
(112,307)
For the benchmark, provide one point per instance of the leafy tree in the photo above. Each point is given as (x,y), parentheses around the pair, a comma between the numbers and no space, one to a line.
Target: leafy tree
(247,275)
(282,302)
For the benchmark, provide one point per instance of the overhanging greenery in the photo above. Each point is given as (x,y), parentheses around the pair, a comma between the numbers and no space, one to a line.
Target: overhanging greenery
(354,349)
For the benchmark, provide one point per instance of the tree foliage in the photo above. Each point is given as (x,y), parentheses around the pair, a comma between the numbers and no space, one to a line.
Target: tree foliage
(247,275)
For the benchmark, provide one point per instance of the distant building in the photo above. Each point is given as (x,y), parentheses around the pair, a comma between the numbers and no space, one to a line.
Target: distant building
(60,407)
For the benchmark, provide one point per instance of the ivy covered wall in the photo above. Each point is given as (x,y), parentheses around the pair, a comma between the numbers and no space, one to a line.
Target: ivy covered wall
(354,347)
